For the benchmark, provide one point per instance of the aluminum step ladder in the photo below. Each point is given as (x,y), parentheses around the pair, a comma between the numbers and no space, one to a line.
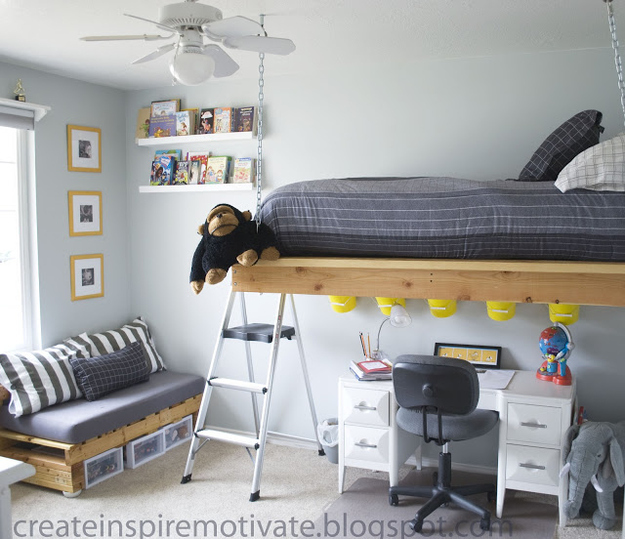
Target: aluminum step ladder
(267,333)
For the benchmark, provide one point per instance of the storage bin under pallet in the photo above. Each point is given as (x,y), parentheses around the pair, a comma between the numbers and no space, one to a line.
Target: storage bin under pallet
(60,465)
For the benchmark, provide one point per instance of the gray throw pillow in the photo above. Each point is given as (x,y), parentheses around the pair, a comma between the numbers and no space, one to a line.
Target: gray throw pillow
(101,375)
(573,137)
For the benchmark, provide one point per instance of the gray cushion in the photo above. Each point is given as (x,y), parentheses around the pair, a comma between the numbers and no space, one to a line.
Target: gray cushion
(80,420)
(560,147)
(455,427)
(102,375)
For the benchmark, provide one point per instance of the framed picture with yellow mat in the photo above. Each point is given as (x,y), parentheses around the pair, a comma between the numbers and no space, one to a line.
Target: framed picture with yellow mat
(484,357)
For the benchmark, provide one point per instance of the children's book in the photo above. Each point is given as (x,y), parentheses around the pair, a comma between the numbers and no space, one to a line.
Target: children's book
(218,169)
(162,170)
(202,157)
(164,108)
(243,170)
(182,173)
(195,172)
(163,126)
(223,120)
(244,119)
(176,153)
(185,123)
(143,123)
(207,122)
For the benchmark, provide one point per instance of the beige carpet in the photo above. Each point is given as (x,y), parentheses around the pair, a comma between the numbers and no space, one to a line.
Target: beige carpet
(297,487)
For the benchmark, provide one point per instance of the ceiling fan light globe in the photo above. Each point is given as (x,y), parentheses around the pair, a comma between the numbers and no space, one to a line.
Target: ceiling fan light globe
(191,68)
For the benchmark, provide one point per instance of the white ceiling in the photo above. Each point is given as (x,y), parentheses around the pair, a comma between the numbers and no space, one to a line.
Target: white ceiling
(44,34)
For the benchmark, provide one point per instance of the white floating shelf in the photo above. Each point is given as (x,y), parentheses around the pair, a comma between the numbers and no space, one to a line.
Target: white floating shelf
(212,137)
(39,111)
(196,188)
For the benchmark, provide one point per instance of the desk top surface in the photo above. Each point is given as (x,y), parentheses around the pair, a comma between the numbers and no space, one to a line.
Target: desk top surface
(12,471)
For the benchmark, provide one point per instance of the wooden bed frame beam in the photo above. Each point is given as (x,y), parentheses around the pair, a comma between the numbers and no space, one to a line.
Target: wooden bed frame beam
(583,283)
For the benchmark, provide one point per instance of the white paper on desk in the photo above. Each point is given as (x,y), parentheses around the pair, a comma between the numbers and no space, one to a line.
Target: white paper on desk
(495,379)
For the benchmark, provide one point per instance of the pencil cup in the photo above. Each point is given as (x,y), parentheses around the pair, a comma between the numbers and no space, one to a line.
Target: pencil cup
(342,304)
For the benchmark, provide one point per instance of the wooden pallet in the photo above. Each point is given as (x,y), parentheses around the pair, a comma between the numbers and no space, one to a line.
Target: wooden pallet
(60,466)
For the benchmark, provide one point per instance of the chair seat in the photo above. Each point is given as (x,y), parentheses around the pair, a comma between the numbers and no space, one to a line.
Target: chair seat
(455,427)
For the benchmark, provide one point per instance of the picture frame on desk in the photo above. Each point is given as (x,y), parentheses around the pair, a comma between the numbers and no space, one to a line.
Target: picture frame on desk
(484,357)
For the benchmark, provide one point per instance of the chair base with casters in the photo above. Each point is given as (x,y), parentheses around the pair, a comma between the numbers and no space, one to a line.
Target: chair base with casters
(439,395)
(442,493)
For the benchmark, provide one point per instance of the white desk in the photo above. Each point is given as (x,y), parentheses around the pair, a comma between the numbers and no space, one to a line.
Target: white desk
(11,471)
(533,417)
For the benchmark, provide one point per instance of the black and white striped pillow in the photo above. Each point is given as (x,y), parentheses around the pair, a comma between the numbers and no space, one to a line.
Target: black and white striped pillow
(39,379)
(114,340)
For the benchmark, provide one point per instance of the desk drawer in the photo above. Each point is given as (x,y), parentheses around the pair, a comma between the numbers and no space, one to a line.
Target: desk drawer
(534,424)
(366,444)
(365,406)
(536,465)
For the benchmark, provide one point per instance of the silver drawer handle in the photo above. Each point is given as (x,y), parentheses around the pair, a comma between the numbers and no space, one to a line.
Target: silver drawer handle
(365,407)
(368,446)
(532,466)
(535,425)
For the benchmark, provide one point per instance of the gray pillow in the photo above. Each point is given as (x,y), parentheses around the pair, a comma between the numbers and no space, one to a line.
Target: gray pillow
(101,375)
(573,137)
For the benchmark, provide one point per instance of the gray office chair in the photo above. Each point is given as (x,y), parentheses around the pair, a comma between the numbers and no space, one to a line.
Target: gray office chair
(437,397)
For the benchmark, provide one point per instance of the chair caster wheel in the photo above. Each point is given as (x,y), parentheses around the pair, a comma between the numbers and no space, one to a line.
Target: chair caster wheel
(485,524)
(393,500)
(416,525)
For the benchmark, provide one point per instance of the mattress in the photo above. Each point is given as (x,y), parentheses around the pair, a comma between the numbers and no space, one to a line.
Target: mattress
(425,217)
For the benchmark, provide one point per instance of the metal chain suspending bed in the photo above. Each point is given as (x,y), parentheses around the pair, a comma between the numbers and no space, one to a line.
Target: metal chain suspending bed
(259,159)
(617,56)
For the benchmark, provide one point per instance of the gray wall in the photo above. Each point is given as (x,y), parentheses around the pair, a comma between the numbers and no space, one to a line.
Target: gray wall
(77,103)
(478,118)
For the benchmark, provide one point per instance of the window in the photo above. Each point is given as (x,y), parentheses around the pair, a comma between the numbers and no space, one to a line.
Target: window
(16,316)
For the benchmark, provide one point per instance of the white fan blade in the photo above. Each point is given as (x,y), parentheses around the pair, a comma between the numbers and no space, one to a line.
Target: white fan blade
(144,37)
(155,54)
(233,27)
(271,45)
(161,26)
(224,65)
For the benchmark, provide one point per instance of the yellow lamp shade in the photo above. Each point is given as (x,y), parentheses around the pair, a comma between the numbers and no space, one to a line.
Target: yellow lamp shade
(442,308)
(500,310)
(385,304)
(342,304)
(563,313)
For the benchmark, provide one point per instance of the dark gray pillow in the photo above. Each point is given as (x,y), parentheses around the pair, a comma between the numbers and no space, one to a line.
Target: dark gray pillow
(101,375)
(558,149)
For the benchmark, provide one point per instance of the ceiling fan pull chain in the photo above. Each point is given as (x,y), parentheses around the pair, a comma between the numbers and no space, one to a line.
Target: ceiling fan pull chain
(617,56)
(259,160)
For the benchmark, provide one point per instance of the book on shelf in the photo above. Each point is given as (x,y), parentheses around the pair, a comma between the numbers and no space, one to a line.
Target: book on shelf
(143,123)
(163,126)
(185,123)
(362,375)
(195,112)
(163,169)
(218,169)
(182,173)
(223,120)
(202,158)
(195,172)
(243,119)
(164,108)
(243,170)
(207,121)
(176,153)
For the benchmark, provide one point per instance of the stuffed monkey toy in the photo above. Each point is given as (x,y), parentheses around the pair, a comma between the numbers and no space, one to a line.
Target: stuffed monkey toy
(229,236)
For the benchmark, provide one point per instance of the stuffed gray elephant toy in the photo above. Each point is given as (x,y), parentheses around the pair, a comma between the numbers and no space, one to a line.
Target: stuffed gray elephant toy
(593,453)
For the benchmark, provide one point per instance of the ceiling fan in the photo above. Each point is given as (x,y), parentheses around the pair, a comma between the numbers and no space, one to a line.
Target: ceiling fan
(189,23)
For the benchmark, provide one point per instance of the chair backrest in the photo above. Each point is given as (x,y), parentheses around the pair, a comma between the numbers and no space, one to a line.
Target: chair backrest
(450,385)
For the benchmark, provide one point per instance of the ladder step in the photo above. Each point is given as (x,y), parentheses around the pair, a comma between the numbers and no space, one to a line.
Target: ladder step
(230,437)
(238,384)
(257,332)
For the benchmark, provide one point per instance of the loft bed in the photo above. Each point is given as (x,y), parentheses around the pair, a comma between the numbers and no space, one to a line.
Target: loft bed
(444,238)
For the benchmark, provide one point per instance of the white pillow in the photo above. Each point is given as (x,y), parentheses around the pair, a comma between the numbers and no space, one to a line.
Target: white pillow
(599,168)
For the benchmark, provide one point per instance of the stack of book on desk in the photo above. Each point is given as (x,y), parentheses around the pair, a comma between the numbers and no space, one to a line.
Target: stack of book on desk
(372,369)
